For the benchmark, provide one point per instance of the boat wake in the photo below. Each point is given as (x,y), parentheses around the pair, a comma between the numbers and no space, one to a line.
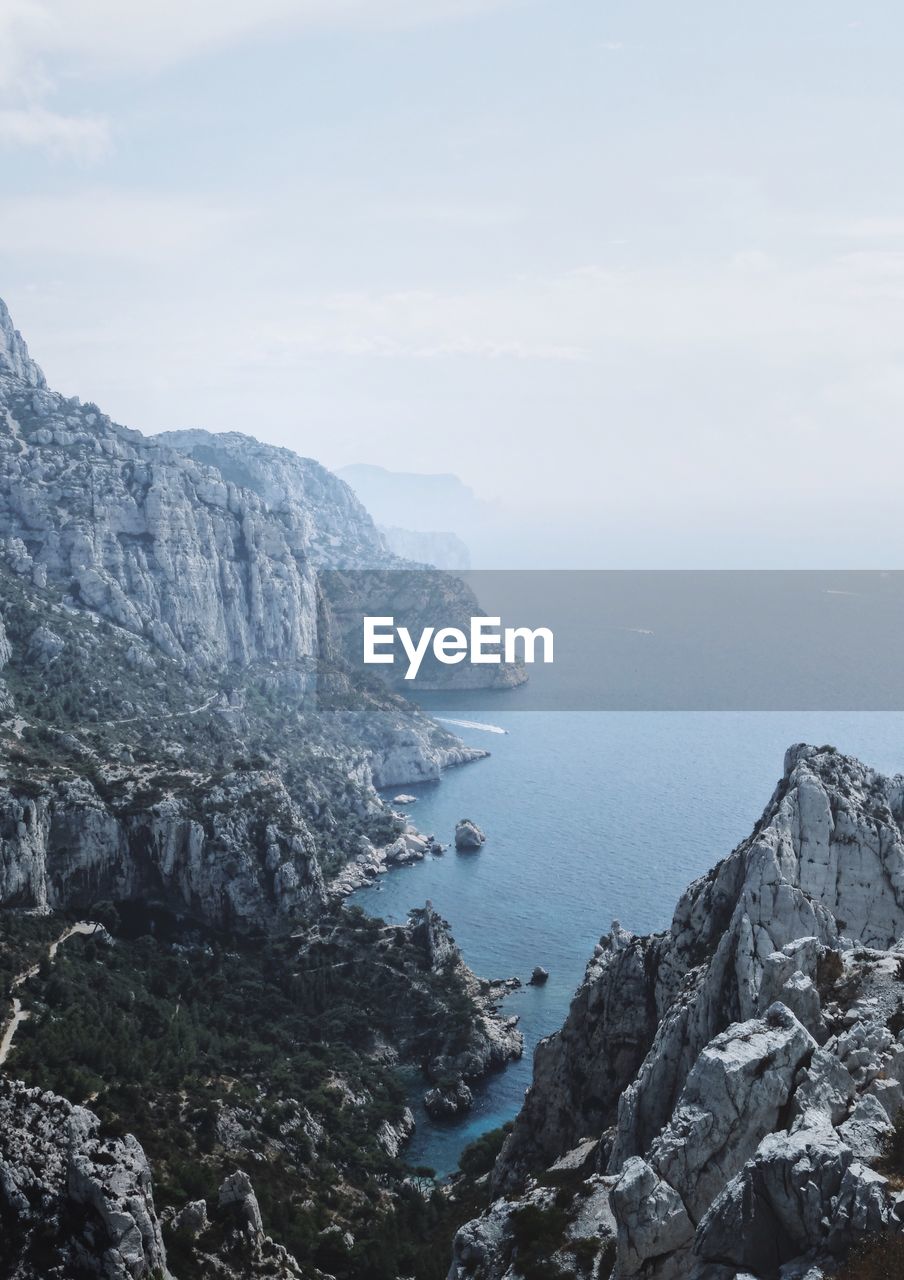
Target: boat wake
(473,724)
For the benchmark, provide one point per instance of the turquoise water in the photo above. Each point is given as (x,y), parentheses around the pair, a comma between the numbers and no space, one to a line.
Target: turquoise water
(589,817)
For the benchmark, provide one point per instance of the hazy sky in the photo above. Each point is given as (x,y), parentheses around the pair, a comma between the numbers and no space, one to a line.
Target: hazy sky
(636,269)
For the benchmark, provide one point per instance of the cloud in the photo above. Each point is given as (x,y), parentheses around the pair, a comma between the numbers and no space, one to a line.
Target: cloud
(472,215)
(46,42)
(105,224)
(105,35)
(876,228)
(85,138)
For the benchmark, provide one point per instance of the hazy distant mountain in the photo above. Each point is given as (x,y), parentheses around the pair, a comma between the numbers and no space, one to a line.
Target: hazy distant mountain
(435,519)
(409,500)
(442,550)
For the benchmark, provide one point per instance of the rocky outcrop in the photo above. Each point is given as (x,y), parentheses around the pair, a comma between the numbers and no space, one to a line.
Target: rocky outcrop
(739,1077)
(734,1094)
(207,545)
(446,1101)
(211,546)
(71,1202)
(408,848)
(236,853)
(225,1238)
(416,753)
(392,1137)
(468,836)
(15,362)
(332,525)
(490,1040)
(148,538)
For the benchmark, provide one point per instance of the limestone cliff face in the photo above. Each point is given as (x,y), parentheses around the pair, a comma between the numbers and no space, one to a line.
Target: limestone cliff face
(735,1079)
(334,527)
(167,592)
(214,547)
(207,545)
(151,540)
(233,854)
(14,358)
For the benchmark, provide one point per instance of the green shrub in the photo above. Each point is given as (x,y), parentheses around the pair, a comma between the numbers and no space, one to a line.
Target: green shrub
(480,1155)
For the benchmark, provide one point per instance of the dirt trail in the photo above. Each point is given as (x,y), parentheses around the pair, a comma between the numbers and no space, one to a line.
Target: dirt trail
(176,715)
(19,1014)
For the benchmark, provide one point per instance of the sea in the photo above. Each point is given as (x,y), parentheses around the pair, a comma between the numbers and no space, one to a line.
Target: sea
(590,817)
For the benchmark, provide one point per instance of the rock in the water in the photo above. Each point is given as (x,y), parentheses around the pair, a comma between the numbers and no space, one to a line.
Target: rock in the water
(443,1102)
(468,835)
(539,976)
(403,799)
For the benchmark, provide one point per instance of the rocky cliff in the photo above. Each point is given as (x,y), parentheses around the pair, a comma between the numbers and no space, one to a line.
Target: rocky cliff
(162,601)
(161,544)
(186,755)
(723,1097)
(212,547)
(332,525)
(73,1202)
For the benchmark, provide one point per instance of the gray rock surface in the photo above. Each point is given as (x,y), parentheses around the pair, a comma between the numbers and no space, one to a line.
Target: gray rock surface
(446,1101)
(468,836)
(742,1073)
(14,358)
(210,856)
(494,1039)
(82,1204)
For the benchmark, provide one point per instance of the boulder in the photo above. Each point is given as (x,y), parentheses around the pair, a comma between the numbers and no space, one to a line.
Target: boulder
(237,1195)
(444,1102)
(468,836)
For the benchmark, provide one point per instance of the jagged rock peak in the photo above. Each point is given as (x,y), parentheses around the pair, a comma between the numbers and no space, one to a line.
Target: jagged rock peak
(736,1077)
(14,358)
(81,1203)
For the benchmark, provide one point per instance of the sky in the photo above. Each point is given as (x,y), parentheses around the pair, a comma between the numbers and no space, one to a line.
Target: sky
(634,271)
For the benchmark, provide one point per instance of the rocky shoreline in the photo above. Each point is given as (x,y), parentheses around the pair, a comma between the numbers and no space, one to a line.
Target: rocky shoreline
(409,847)
(725,1098)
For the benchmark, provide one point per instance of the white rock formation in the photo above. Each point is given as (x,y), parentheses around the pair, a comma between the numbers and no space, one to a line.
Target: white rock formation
(81,1204)
(14,358)
(739,1072)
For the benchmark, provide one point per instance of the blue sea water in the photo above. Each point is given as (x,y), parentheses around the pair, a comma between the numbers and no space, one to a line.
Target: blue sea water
(589,817)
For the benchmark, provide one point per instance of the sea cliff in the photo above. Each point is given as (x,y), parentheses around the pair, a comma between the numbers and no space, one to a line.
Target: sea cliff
(725,1097)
